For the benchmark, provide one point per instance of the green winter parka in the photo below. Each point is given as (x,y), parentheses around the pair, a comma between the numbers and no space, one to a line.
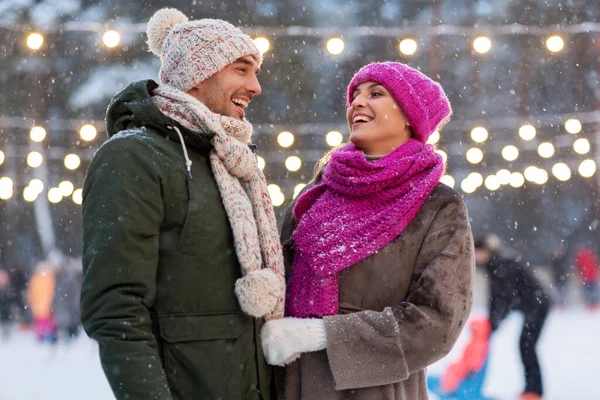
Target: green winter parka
(160,265)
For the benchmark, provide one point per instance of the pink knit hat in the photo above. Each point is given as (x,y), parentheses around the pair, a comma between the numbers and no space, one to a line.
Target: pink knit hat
(422,100)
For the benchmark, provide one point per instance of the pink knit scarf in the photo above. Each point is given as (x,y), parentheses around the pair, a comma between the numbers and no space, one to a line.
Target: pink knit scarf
(356,209)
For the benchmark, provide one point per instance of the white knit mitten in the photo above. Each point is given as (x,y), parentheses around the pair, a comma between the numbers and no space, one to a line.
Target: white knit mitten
(283,340)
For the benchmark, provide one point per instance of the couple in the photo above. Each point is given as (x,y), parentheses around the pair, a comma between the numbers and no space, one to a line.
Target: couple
(187,288)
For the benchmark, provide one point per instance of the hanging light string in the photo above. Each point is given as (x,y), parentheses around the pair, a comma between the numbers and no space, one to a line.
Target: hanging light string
(309,31)
(310,128)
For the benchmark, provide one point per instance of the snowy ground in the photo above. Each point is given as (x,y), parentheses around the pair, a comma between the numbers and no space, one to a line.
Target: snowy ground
(30,370)
(569,349)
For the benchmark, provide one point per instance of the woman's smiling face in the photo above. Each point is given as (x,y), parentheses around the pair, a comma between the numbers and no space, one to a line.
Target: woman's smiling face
(377,124)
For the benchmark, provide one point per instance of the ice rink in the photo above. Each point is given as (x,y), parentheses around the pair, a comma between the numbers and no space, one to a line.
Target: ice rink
(569,349)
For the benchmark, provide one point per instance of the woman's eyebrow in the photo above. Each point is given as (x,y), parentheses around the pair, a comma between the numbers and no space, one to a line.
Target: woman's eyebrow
(372,85)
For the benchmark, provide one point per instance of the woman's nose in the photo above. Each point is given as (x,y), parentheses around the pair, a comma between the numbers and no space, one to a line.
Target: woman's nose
(359,101)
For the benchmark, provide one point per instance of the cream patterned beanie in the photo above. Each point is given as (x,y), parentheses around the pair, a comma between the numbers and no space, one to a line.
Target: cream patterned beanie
(192,51)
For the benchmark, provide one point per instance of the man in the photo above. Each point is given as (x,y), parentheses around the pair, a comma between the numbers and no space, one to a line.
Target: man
(513,287)
(561,272)
(181,251)
(13,283)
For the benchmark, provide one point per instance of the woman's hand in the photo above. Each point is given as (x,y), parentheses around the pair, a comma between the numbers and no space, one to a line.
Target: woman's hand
(284,340)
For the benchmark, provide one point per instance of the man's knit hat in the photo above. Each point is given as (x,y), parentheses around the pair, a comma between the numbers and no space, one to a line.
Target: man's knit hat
(422,100)
(192,51)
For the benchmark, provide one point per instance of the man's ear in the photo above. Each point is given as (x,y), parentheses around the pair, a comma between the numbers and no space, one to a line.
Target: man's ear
(196,90)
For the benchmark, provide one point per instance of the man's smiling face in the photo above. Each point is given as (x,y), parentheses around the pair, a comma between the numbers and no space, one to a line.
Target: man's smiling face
(229,91)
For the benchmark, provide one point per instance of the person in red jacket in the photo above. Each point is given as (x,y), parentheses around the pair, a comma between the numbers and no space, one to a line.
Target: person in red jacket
(465,377)
(586,262)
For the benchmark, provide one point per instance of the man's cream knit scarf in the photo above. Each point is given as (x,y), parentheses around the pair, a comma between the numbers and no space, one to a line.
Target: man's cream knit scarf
(243,188)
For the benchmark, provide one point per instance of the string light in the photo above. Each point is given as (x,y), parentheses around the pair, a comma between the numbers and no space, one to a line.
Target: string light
(78,196)
(479,134)
(6,188)
(54,195)
(546,150)
(561,171)
(36,185)
(1,157)
(297,189)
(408,47)
(335,46)
(492,182)
(37,133)
(468,186)
(510,153)
(541,176)
(587,168)
(434,138)
(573,126)
(263,44)
(66,188)
(5,182)
(503,176)
(448,180)
(482,44)
(6,193)
(34,159)
(581,146)
(527,132)
(474,155)
(72,161)
(35,41)
(111,38)
(88,132)
(285,139)
(30,194)
(334,138)
(277,197)
(516,180)
(555,43)
(293,163)
(477,178)
(443,154)
(531,173)
(261,163)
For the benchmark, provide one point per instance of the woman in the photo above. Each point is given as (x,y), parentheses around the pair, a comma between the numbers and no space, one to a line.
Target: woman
(379,254)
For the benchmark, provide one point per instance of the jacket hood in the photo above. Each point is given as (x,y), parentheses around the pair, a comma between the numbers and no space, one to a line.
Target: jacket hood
(132,108)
